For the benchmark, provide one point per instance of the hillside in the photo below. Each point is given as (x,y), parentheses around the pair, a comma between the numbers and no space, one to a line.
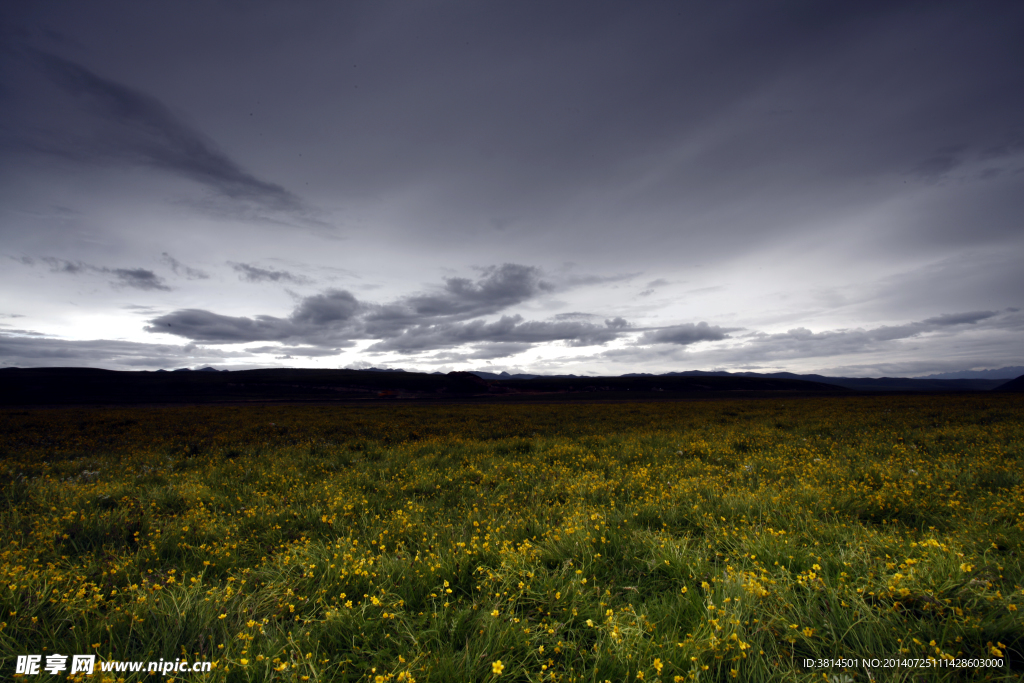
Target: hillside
(1014,385)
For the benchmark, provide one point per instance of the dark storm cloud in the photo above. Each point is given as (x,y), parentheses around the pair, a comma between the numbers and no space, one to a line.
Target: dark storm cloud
(138,129)
(497,288)
(508,329)
(333,307)
(319,319)
(413,324)
(252,273)
(180,268)
(200,325)
(683,335)
(136,278)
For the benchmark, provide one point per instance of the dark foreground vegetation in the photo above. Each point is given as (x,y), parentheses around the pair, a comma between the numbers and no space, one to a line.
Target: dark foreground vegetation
(657,541)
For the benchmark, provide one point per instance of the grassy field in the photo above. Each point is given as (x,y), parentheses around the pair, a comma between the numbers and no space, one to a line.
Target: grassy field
(689,541)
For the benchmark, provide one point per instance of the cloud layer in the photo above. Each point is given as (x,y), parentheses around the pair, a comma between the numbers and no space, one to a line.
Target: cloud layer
(658,185)
(446,317)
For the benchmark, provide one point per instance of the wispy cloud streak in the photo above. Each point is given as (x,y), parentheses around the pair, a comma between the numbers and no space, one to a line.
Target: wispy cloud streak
(251,273)
(142,130)
(136,278)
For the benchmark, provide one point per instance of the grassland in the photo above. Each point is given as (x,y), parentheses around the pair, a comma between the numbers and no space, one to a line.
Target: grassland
(707,541)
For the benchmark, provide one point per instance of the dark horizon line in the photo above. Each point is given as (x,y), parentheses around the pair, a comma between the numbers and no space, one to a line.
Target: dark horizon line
(530,375)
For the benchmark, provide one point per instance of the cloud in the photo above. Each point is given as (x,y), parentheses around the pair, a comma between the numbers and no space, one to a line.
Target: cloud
(497,288)
(332,307)
(652,285)
(62,266)
(801,341)
(301,351)
(486,351)
(138,129)
(683,335)
(1012,146)
(453,320)
(445,318)
(136,278)
(507,329)
(318,319)
(960,318)
(946,342)
(200,325)
(252,273)
(897,348)
(33,350)
(937,166)
(948,159)
(576,316)
(180,268)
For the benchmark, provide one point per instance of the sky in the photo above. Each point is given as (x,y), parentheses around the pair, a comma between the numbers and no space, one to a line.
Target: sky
(532,186)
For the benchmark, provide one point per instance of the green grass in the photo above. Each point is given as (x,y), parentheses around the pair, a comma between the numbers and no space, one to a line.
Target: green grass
(661,541)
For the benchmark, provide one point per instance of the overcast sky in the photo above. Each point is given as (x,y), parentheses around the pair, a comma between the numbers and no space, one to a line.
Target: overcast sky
(575,187)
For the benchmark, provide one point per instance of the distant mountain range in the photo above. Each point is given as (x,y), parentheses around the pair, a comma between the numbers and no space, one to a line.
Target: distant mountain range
(962,380)
(983,380)
(968,380)
(965,380)
(1001,373)
(91,386)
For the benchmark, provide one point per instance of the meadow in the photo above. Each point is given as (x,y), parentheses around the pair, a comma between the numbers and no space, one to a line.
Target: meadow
(663,541)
